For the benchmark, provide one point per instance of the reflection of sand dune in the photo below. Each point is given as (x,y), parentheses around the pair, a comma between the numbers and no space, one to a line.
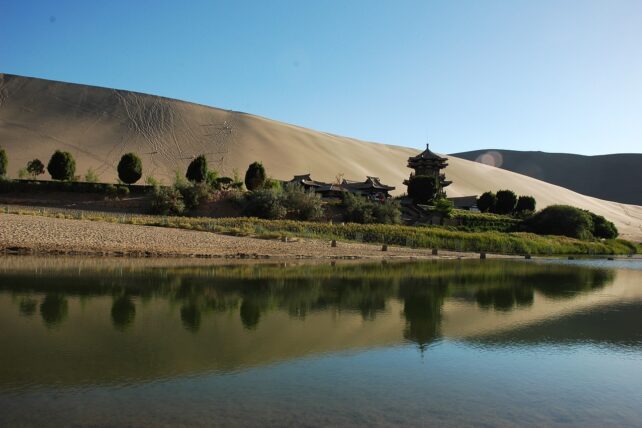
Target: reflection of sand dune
(98,125)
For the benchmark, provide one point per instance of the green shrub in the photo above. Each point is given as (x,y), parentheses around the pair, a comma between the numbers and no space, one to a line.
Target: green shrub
(387,212)
(150,180)
(122,191)
(223,183)
(486,202)
(302,204)
(4,161)
(130,168)
(194,194)
(422,189)
(212,179)
(602,228)
(23,173)
(506,201)
(255,176)
(167,200)
(444,207)
(197,170)
(561,220)
(35,168)
(265,203)
(62,166)
(91,176)
(525,204)
(111,192)
(360,210)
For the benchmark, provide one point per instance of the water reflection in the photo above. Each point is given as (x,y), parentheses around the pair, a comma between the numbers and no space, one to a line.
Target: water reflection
(123,312)
(224,317)
(53,309)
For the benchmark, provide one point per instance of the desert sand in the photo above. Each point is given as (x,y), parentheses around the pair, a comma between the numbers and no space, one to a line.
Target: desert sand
(98,125)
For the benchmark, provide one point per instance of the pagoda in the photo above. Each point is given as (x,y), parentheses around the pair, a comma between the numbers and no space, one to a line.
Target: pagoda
(430,164)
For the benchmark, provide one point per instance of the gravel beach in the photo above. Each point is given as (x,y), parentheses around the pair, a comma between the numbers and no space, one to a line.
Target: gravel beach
(28,234)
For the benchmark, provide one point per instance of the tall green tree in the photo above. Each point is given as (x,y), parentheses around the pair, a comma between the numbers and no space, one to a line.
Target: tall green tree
(506,201)
(35,168)
(525,203)
(486,202)
(4,161)
(197,170)
(130,168)
(255,176)
(62,166)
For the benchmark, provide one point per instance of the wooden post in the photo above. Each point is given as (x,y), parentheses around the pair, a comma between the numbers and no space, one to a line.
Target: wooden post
(482,255)
(435,251)
(384,247)
(527,256)
(333,243)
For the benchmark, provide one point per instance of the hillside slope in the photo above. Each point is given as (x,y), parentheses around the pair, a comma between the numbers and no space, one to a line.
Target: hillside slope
(98,125)
(616,177)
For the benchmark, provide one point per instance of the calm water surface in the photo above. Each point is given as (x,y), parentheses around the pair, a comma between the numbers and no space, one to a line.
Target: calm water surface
(462,343)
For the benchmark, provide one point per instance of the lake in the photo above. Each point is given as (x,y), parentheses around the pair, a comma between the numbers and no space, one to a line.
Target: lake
(113,342)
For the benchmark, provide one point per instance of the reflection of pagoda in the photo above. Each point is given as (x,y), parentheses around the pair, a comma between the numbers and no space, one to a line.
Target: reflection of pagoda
(429,164)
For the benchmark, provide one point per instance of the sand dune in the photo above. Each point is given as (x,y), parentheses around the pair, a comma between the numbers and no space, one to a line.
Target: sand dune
(98,125)
(615,177)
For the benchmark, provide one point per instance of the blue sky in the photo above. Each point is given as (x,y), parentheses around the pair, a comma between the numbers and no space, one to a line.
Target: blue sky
(550,75)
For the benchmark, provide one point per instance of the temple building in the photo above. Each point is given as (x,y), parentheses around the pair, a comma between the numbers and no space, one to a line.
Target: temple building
(371,187)
(430,164)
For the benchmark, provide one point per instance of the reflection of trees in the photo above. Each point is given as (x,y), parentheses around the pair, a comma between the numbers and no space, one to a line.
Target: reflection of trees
(504,299)
(28,306)
(250,314)
(191,317)
(422,309)
(53,309)
(123,312)
(251,291)
(504,293)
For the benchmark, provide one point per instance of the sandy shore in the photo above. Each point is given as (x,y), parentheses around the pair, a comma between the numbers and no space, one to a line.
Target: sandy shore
(27,234)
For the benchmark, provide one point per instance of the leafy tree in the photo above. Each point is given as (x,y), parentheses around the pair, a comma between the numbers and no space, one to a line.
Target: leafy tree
(35,168)
(302,205)
(486,202)
(525,203)
(422,189)
(602,228)
(130,168)
(506,201)
(386,212)
(561,220)
(265,203)
(360,210)
(194,194)
(197,170)
(167,200)
(255,176)
(444,207)
(62,166)
(3,163)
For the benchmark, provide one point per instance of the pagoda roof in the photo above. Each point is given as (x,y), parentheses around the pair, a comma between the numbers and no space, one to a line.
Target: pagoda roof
(427,155)
(370,183)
